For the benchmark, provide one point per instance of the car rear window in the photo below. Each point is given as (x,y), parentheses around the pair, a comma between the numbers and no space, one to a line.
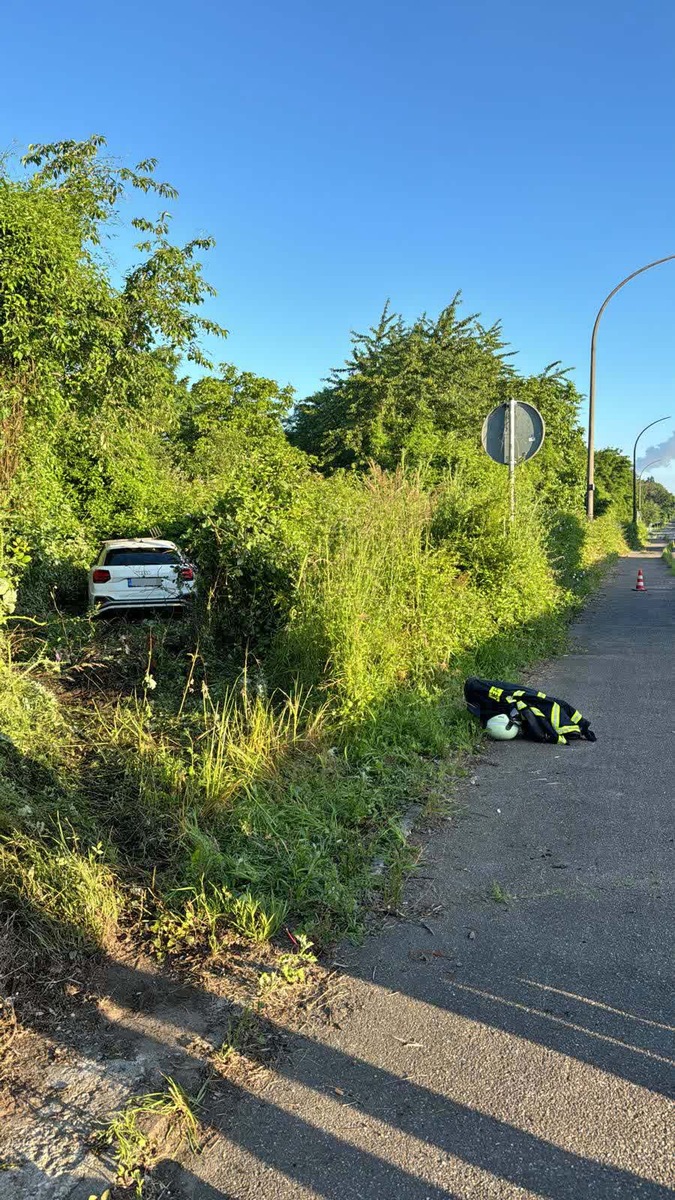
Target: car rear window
(135,557)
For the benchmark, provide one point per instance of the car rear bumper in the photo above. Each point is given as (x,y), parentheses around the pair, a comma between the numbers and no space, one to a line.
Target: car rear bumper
(102,604)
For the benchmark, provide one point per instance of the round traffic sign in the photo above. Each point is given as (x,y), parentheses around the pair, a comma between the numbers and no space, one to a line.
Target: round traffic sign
(529,431)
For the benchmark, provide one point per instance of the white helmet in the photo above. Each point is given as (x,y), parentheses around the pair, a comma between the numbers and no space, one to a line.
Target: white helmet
(502,728)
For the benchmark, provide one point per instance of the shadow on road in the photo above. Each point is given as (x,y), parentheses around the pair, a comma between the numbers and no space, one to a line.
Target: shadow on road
(319,1160)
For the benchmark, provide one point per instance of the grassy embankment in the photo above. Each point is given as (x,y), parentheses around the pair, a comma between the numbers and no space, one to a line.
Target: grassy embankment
(143,785)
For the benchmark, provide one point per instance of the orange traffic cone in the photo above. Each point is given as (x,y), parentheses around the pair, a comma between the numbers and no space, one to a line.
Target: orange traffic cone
(640,585)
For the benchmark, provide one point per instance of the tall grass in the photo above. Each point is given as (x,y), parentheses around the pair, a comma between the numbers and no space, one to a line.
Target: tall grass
(242,807)
(399,601)
(63,896)
(29,713)
(246,737)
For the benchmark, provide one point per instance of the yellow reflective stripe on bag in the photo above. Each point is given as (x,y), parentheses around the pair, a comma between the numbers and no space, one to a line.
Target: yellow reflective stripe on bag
(555,718)
(576,716)
(496,693)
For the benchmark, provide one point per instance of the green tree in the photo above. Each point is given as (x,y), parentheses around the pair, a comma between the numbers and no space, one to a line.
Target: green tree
(656,502)
(250,501)
(213,402)
(89,384)
(614,490)
(613,483)
(403,388)
(421,392)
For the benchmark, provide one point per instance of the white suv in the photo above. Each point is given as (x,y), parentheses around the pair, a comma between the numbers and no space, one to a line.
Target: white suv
(140,573)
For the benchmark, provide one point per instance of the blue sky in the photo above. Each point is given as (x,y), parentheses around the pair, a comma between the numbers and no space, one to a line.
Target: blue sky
(343,153)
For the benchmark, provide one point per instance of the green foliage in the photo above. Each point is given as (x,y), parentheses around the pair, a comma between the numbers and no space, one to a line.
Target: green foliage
(655,503)
(411,580)
(614,493)
(499,894)
(403,389)
(249,506)
(9,560)
(613,483)
(604,540)
(257,922)
(290,969)
(64,898)
(145,1126)
(355,562)
(30,718)
(245,738)
(422,391)
(88,366)
(254,404)
(244,1036)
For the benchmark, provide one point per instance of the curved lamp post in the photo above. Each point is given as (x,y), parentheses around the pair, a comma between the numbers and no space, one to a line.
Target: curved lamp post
(635,462)
(590,475)
(640,481)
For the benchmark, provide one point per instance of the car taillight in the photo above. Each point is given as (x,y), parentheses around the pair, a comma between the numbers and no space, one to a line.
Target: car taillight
(100,576)
(187,573)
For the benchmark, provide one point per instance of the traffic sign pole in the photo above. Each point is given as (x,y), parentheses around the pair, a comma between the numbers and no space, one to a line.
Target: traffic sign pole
(512,458)
(513,433)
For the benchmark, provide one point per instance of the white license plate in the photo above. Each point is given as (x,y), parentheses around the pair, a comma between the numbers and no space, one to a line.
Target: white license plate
(144,583)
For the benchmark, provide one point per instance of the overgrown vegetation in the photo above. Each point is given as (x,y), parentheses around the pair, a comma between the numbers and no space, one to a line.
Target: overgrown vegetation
(614,493)
(242,768)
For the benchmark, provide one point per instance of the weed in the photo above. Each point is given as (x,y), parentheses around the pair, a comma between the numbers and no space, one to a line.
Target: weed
(132,1145)
(256,921)
(398,866)
(29,714)
(394,879)
(499,894)
(245,1036)
(246,738)
(130,1131)
(290,969)
(194,921)
(196,914)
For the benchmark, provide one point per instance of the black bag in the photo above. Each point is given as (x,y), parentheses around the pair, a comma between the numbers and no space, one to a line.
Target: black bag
(543,718)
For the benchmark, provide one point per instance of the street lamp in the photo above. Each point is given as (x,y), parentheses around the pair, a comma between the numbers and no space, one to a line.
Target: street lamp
(635,462)
(590,474)
(640,474)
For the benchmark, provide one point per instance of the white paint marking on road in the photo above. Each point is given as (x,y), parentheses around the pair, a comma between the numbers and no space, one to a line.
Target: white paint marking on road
(547,1016)
(519,1081)
(620,1012)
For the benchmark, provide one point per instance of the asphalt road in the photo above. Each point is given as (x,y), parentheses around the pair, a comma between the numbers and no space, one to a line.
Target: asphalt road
(518,1049)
